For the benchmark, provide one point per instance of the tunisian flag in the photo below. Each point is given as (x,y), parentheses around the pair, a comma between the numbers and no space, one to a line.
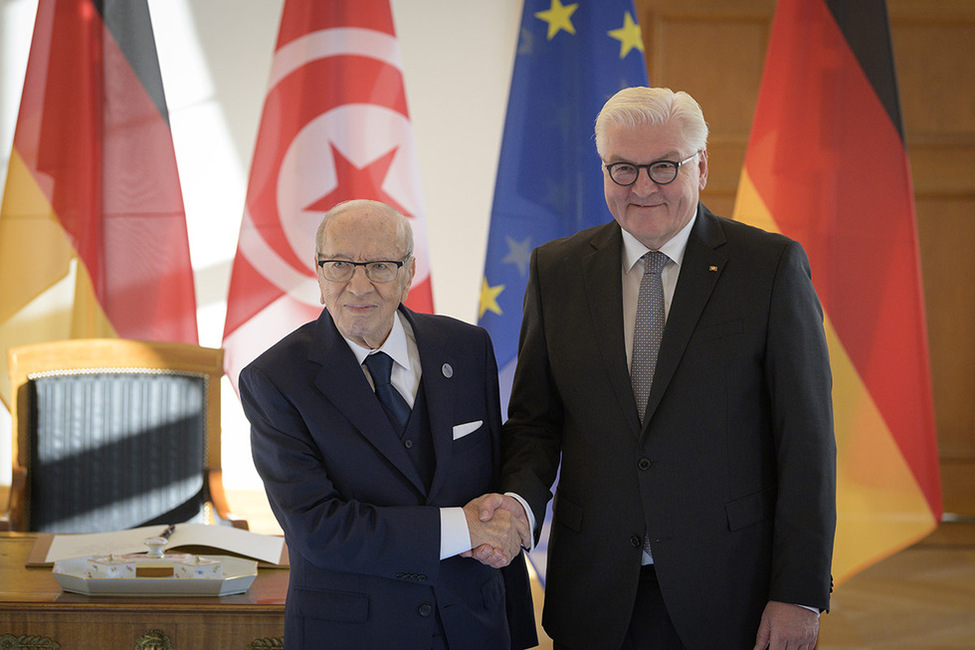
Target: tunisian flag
(826,165)
(335,127)
(92,230)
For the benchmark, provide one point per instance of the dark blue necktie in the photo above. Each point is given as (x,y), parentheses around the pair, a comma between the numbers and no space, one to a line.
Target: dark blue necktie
(380,366)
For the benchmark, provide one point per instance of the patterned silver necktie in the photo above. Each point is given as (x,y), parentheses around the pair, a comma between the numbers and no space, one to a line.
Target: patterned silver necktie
(650,320)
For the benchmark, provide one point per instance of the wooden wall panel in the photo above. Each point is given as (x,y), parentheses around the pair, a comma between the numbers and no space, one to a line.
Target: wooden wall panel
(934,49)
(716,49)
(946,228)
(936,71)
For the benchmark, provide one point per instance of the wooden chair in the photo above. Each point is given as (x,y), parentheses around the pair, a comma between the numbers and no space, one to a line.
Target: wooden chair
(110,434)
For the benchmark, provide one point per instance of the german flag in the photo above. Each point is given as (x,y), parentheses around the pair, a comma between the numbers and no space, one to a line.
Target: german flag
(93,238)
(826,165)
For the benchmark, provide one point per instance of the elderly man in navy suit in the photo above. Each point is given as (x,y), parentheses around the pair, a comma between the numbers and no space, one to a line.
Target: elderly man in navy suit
(375,429)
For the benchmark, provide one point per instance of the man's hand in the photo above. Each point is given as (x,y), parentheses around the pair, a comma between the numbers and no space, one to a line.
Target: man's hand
(490,503)
(498,527)
(787,627)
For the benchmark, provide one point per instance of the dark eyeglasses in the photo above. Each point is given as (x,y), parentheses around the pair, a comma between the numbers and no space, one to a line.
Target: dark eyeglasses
(661,172)
(377,271)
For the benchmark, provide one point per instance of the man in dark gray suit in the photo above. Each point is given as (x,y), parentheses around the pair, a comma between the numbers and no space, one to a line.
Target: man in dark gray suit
(688,401)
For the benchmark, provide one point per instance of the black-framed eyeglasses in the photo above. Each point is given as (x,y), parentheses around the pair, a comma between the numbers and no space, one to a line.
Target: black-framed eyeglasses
(376,271)
(661,172)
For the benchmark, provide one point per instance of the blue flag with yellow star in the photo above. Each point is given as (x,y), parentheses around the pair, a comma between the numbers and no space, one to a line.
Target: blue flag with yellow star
(571,58)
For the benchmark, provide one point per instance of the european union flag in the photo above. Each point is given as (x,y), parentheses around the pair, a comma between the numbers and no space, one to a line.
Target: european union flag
(571,58)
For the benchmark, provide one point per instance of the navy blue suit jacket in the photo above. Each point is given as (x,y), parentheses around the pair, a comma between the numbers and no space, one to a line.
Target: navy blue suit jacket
(362,531)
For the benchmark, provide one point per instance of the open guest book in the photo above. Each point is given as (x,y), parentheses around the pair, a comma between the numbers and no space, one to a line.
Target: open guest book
(268,550)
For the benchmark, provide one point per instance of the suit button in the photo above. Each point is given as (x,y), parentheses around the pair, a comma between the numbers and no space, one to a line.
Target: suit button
(644,464)
(636,541)
(408,444)
(425,609)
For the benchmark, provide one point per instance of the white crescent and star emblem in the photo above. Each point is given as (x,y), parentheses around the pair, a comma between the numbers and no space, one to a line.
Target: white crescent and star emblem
(361,134)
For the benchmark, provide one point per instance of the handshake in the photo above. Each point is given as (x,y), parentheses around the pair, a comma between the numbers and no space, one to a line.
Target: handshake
(499,528)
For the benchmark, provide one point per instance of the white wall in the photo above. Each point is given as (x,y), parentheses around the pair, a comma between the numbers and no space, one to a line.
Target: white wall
(215,56)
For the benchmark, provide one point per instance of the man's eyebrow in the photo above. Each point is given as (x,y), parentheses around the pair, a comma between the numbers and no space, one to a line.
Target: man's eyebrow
(671,156)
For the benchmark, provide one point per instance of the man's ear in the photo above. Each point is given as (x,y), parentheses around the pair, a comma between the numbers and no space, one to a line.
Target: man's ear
(321,281)
(703,167)
(411,272)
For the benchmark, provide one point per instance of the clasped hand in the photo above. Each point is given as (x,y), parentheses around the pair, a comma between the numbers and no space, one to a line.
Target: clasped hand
(498,527)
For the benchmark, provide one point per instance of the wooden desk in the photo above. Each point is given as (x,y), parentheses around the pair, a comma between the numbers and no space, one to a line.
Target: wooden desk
(35,613)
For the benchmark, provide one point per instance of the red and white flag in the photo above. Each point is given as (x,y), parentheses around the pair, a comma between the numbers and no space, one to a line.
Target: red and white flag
(335,127)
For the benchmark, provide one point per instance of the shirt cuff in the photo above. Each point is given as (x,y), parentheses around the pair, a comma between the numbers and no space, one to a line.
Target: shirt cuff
(530,515)
(455,537)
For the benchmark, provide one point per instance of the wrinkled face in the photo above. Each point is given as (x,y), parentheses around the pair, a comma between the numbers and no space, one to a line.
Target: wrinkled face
(363,310)
(652,213)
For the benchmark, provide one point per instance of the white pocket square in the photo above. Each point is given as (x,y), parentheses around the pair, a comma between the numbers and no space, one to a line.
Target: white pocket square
(462,430)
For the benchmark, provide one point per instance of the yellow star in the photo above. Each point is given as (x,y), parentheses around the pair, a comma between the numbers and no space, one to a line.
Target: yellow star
(628,35)
(558,17)
(489,298)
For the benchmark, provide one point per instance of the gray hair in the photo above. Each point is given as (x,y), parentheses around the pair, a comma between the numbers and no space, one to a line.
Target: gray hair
(640,105)
(405,229)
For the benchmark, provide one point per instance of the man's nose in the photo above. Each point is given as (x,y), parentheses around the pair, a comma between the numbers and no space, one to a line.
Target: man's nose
(359,282)
(643,185)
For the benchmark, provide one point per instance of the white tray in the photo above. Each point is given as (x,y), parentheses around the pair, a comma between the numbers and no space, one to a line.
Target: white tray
(238,574)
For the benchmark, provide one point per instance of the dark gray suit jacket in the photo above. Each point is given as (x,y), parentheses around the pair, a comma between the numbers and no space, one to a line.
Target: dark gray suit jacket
(362,530)
(733,474)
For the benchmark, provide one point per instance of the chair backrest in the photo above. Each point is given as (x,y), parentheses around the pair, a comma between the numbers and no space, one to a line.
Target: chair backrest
(113,433)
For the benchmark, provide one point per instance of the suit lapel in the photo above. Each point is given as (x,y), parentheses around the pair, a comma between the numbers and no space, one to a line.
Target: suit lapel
(603,277)
(704,261)
(342,381)
(436,379)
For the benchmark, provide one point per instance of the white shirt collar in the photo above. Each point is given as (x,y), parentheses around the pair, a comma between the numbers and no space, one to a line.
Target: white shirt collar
(633,250)
(395,345)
